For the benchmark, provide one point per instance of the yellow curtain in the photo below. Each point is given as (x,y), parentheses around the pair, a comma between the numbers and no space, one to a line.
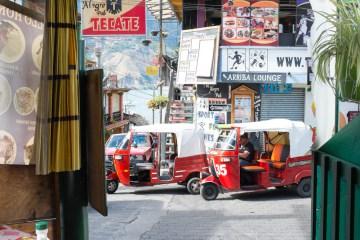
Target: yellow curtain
(57,134)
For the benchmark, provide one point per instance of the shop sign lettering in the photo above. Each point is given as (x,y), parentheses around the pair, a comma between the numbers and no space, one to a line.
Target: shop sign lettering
(253,77)
(113,17)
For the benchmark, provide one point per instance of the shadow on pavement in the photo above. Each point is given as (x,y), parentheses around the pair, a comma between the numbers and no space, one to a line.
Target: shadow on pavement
(265,195)
(170,191)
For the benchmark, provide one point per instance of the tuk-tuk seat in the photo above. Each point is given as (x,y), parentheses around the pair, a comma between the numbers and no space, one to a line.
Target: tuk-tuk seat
(144,166)
(279,155)
(253,168)
(278,165)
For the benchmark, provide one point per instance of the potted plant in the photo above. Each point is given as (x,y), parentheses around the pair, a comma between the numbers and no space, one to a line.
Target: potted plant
(161,101)
(340,42)
(158,102)
(152,104)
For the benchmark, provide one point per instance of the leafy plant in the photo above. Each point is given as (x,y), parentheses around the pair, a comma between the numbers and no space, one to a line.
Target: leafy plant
(158,102)
(341,42)
(152,104)
(161,101)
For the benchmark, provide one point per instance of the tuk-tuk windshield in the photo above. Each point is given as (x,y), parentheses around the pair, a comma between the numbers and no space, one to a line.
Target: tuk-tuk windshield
(125,142)
(139,140)
(115,141)
(226,140)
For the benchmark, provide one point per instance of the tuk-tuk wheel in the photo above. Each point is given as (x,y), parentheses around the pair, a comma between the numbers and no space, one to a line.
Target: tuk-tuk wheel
(193,185)
(209,191)
(111,186)
(303,189)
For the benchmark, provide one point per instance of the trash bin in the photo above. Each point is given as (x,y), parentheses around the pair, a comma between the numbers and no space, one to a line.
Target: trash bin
(336,186)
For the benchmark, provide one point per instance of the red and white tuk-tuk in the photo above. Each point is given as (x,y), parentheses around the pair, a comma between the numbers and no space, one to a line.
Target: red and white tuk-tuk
(177,156)
(285,160)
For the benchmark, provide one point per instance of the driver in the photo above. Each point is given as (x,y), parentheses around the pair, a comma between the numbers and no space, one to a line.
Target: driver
(247,151)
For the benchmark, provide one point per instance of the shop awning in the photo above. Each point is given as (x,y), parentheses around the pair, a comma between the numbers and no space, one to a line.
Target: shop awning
(172,9)
(116,125)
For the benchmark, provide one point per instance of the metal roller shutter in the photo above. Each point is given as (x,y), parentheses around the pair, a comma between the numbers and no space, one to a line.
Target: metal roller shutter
(290,106)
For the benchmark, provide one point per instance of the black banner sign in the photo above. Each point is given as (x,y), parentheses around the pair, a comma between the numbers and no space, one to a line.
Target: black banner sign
(220,107)
(253,77)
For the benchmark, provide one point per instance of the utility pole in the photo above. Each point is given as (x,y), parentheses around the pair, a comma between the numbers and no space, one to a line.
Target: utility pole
(161,52)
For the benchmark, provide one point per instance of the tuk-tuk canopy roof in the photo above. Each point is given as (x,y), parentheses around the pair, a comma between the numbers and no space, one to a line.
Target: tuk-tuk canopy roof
(190,140)
(300,134)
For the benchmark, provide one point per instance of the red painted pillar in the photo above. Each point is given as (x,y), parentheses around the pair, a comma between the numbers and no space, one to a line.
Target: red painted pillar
(110,106)
(121,106)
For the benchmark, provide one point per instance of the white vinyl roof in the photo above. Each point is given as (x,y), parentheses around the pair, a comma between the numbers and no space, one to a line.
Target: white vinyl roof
(154,8)
(300,134)
(189,138)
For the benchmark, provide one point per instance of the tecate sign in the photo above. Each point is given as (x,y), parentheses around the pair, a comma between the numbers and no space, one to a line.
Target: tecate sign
(253,77)
(113,17)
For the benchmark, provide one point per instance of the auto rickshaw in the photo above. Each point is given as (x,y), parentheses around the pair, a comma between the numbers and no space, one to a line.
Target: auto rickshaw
(285,159)
(177,156)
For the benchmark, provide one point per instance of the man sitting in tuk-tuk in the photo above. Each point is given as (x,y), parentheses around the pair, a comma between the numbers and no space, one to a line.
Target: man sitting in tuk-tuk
(247,151)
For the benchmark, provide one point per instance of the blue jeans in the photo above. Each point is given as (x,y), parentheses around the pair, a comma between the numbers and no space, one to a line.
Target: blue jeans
(244,162)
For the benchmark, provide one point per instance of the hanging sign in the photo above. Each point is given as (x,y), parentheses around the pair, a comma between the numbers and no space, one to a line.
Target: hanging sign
(152,70)
(113,17)
(20,65)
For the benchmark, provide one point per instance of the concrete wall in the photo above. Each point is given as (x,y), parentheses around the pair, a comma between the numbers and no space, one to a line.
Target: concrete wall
(323,95)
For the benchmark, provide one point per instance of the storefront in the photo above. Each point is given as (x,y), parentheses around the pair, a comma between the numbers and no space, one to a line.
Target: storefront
(265,82)
(253,84)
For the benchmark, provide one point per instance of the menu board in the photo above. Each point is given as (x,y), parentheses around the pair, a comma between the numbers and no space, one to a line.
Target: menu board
(254,22)
(20,64)
(236,22)
(198,56)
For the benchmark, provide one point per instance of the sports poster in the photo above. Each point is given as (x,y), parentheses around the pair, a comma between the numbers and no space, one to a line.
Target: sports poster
(250,22)
(304,21)
(21,43)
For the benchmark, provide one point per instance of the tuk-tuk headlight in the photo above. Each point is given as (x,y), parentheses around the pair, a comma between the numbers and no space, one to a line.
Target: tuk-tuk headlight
(225,159)
(118,157)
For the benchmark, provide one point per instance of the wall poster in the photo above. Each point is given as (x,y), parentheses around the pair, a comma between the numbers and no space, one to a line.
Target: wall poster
(304,21)
(113,17)
(236,22)
(20,65)
(207,120)
(250,22)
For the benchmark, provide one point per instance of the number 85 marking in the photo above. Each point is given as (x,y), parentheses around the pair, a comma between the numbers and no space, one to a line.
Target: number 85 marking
(220,169)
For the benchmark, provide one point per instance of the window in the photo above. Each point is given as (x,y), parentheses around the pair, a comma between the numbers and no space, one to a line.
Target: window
(242,105)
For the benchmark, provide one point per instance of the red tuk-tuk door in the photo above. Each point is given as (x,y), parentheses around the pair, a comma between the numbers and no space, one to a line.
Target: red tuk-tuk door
(228,170)
(122,162)
(227,166)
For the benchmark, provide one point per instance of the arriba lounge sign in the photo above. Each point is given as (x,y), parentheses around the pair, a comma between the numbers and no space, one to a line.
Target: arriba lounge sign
(253,77)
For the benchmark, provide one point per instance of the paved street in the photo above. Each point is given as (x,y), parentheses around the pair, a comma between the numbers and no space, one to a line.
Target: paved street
(169,213)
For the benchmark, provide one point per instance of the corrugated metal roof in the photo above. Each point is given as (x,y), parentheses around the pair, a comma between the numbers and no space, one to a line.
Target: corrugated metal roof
(169,12)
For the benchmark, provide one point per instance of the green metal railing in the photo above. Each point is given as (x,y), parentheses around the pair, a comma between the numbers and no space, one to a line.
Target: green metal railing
(336,198)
